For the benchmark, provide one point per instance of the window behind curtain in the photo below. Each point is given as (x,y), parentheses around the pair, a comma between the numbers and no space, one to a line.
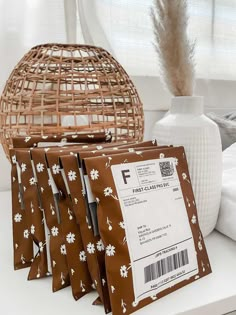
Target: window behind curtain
(212,23)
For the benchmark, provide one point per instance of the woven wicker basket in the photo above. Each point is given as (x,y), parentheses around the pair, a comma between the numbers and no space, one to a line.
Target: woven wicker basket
(58,89)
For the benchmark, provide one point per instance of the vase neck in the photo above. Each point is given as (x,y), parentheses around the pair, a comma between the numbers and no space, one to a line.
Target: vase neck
(187,105)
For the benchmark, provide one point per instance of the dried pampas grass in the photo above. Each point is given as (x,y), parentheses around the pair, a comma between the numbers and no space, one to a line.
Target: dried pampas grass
(175,51)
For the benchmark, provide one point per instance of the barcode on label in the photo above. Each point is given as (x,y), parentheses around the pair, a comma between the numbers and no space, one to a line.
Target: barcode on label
(165,265)
(167,168)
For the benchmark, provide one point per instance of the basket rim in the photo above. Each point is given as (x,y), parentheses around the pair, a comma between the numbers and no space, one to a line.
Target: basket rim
(67,45)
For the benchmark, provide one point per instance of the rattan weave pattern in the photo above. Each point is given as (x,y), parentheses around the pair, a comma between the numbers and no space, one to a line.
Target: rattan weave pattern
(60,88)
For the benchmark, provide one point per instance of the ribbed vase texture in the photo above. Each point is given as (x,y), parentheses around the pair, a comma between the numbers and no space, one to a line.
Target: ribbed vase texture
(201,140)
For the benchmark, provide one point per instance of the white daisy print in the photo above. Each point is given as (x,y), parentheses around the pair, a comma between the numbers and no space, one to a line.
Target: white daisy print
(161,155)
(32,229)
(108,136)
(139,153)
(63,249)
(90,248)
(13,159)
(188,202)
(200,245)
(54,231)
(135,303)
(23,167)
(108,163)
(109,223)
(32,181)
(70,237)
(194,219)
(122,224)
(70,213)
(56,169)
(62,279)
(123,305)
(27,139)
(110,250)
(32,207)
(87,221)
(52,209)
(123,271)
(94,174)
(63,140)
(40,167)
(82,286)
(18,217)
(203,266)
(41,245)
(72,175)
(108,193)
(82,256)
(22,259)
(100,246)
(184,175)
(153,297)
(26,234)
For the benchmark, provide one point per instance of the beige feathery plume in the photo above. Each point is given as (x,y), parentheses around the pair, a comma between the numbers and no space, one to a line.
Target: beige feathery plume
(173,47)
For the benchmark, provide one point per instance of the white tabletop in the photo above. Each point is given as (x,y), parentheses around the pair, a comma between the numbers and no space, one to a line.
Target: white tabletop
(212,295)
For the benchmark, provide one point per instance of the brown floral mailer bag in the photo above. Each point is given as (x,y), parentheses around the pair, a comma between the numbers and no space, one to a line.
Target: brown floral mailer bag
(60,274)
(35,141)
(80,279)
(34,215)
(22,246)
(93,246)
(155,245)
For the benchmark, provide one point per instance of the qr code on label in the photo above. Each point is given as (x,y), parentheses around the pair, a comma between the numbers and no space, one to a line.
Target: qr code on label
(167,168)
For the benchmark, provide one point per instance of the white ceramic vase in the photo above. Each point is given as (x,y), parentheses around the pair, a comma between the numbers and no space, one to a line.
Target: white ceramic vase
(186,125)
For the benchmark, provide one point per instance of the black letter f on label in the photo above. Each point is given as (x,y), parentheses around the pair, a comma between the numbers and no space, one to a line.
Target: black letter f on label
(125,175)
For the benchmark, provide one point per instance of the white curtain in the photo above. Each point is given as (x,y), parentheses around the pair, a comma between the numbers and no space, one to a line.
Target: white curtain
(212,23)
(24,24)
